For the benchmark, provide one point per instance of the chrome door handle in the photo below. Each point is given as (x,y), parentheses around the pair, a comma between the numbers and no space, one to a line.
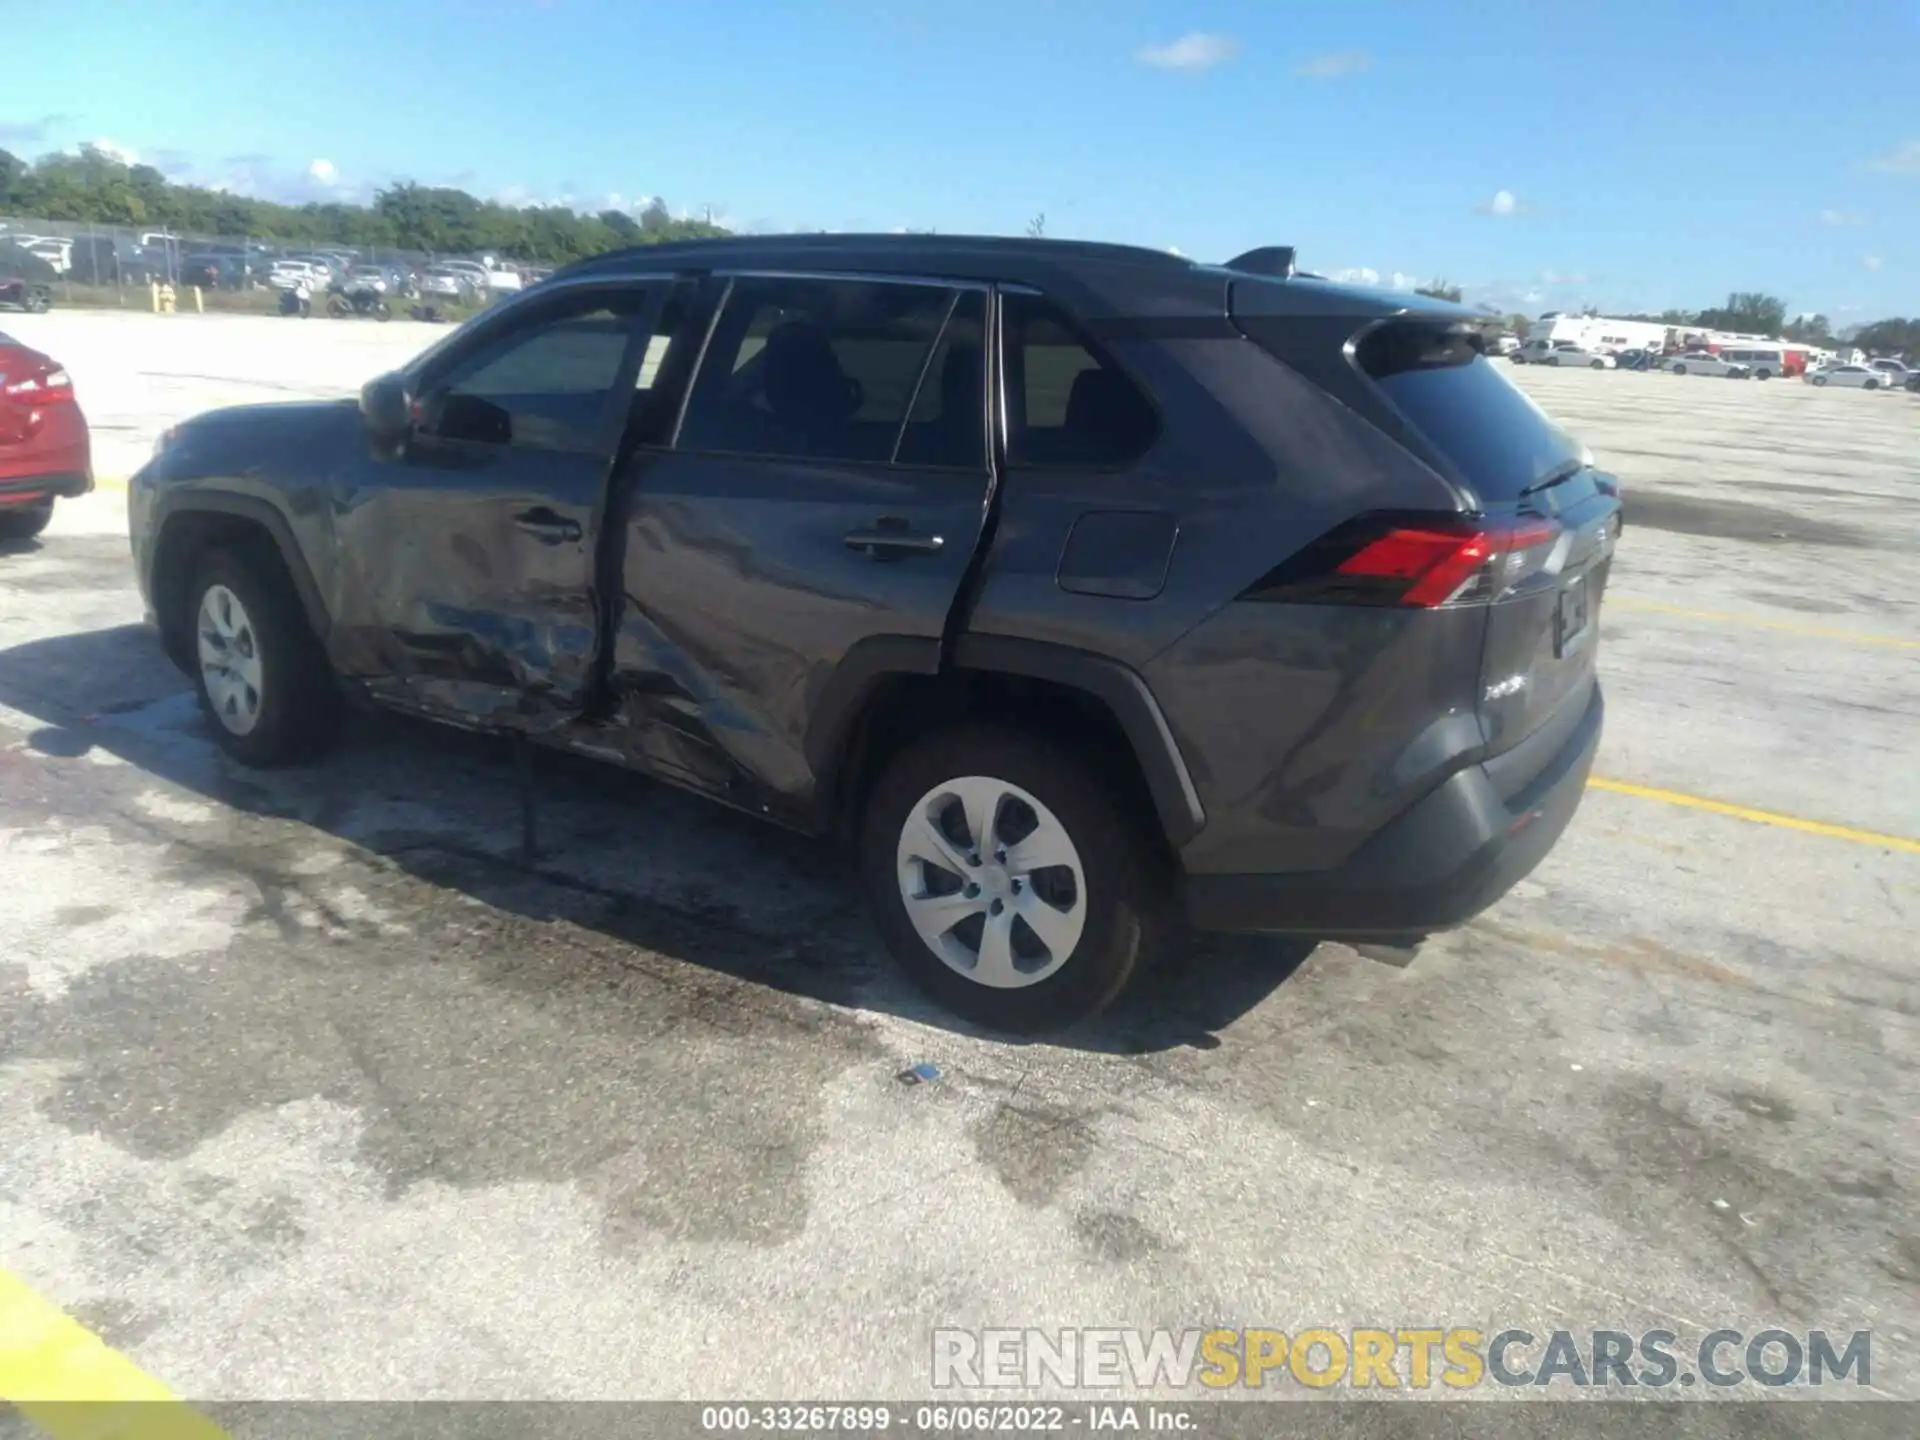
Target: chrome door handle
(882,540)
(547,527)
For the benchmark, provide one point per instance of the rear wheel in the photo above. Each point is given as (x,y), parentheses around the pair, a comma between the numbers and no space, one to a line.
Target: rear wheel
(1598,365)
(1763,374)
(337,307)
(23,522)
(1871,385)
(263,678)
(1005,879)
(1679,369)
(1819,379)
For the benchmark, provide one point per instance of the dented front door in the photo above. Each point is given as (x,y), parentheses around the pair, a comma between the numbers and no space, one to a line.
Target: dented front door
(468,559)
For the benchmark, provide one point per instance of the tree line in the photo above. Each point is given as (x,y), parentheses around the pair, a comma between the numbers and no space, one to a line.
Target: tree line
(90,187)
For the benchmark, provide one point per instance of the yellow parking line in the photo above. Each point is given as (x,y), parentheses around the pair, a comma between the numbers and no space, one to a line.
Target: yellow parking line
(1791,627)
(72,1384)
(1759,817)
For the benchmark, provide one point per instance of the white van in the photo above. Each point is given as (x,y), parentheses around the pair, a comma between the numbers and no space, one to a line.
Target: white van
(1762,362)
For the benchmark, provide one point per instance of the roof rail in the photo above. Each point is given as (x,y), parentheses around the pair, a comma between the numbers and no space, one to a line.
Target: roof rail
(1267,260)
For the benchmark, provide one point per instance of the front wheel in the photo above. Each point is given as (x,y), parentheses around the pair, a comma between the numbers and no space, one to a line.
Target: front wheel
(1819,379)
(1763,374)
(1871,385)
(23,522)
(1005,879)
(263,678)
(337,307)
(1598,365)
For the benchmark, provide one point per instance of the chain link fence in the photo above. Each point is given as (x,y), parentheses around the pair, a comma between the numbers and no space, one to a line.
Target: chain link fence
(113,266)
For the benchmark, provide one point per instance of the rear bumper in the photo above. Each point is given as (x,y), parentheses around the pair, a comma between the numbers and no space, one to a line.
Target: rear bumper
(64,484)
(1438,865)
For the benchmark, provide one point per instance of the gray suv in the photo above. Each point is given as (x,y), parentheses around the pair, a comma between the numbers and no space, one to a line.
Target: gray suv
(1077,584)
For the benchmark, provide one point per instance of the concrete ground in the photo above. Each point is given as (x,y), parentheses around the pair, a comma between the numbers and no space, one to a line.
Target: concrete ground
(307,1089)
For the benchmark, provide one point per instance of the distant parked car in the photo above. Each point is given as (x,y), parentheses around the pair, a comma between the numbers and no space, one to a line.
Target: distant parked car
(1856,377)
(106,260)
(1913,381)
(1568,353)
(1705,362)
(45,452)
(285,274)
(376,278)
(1893,373)
(26,281)
(1639,359)
(214,272)
(438,280)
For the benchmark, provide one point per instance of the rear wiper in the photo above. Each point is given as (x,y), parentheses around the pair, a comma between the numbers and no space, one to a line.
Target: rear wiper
(1566,470)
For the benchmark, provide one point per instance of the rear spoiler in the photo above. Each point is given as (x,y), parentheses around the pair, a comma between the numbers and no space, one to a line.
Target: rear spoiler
(1274,260)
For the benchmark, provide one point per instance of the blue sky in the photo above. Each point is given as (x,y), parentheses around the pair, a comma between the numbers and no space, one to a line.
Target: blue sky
(1545,153)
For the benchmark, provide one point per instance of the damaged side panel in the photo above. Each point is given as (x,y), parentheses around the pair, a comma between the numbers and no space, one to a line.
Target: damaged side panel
(447,603)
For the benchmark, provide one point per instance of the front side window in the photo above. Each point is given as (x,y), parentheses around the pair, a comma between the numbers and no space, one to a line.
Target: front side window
(1067,405)
(817,369)
(543,385)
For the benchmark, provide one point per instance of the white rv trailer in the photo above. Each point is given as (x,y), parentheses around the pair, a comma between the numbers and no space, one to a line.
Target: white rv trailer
(1598,332)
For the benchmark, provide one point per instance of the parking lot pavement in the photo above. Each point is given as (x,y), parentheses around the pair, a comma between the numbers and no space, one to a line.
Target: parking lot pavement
(309,1086)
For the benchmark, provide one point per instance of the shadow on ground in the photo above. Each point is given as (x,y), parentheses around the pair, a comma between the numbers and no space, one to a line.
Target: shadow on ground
(618,854)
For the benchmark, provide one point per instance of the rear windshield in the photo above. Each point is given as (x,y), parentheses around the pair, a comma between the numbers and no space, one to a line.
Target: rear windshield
(1500,441)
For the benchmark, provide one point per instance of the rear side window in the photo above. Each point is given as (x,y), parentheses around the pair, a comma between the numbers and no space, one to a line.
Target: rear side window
(1500,441)
(1068,405)
(814,369)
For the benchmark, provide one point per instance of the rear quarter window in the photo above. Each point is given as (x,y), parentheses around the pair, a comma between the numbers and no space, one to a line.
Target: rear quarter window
(1487,427)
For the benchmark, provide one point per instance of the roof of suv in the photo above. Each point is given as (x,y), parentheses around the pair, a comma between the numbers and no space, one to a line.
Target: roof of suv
(1121,276)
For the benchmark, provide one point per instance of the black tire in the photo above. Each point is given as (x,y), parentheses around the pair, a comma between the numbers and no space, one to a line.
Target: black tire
(1763,374)
(1598,365)
(23,522)
(1819,379)
(300,706)
(37,302)
(1871,385)
(1679,369)
(1121,880)
(337,307)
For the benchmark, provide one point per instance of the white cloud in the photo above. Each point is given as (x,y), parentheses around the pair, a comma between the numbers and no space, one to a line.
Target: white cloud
(323,171)
(1332,67)
(1503,204)
(1841,217)
(1356,275)
(1193,53)
(1903,159)
(1176,250)
(1555,277)
(117,152)
(1400,280)
(1872,262)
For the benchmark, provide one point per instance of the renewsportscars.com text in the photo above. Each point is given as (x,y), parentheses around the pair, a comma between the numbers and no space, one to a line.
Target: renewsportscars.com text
(1409,1358)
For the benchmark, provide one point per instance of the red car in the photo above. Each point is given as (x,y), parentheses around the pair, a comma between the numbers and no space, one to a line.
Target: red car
(45,451)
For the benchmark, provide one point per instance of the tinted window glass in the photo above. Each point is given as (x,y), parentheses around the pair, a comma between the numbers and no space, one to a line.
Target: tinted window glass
(1500,441)
(1068,406)
(948,423)
(814,369)
(543,386)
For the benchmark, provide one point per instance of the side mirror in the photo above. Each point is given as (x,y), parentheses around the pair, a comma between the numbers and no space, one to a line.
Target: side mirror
(387,411)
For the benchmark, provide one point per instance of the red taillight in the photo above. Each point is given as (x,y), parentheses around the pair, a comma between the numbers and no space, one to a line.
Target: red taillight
(1421,564)
(1430,565)
(36,382)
